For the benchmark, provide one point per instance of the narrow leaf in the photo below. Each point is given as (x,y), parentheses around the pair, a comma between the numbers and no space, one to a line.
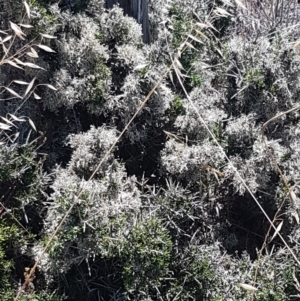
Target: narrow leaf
(240,4)
(277,230)
(20,82)
(50,87)
(178,64)
(30,54)
(36,96)
(171,77)
(31,65)
(17,30)
(29,88)
(19,62)
(25,25)
(211,26)
(4,126)
(202,25)
(46,48)
(201,34)
(194,38)
(27,9)
(13,92)
(32,124)
(13,64)
(16,118)
(34,51)
(140,67)
(248,287)
(222,12)
(7,121)
(293,196)
(4,49)
(190,45)
(296,216)
(48,36)
(6,39)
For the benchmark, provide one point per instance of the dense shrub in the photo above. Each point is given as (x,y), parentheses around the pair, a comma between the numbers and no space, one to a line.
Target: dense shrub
(165,216)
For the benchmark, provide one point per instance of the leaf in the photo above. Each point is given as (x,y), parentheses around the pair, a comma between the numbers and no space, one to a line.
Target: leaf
(36,96)
(33,53)
(296,44)
(27,8)
(240,4)
(19,62)
(202,25)
(4,126)
(201,34)
(46,48)
(190,45)
(6,39)
(194,38)
(211,26)
(4,49)
(248,287)
(277,230)
(13,92)
(7,121)
(171,77)
(31,123)
(296,216)
(17,30)
(48,36)
(16,118)
(222,12)
(20,82)
(31,65)
(13,64)
(29,87)
(140,67)
(50,87)
(178,64)
(25,25)
(293,196)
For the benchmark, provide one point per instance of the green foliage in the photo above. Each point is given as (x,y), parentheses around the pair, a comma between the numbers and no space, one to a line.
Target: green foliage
(177,107)
(9,236)
(146,257)
(194,276)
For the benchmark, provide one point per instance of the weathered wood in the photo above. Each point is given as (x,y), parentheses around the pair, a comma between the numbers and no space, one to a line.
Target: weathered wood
(137,9)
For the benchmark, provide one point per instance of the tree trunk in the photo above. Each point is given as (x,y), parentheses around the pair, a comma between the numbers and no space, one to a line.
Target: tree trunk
(137,9)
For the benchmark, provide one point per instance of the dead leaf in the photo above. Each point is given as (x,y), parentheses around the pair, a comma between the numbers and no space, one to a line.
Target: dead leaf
(25,25)
(50,87)
(48,36)
(31,65)
(13,64)
(6,39)
(16,118)
(46,48)
(17,30)
(31,123)
(277,231)
(13,92)
(27,8)
(248,287)
(4,126)
(36,96)
(29,88)
(20,82)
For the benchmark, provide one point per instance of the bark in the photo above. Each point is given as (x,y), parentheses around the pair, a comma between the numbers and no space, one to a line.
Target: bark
(137,9)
